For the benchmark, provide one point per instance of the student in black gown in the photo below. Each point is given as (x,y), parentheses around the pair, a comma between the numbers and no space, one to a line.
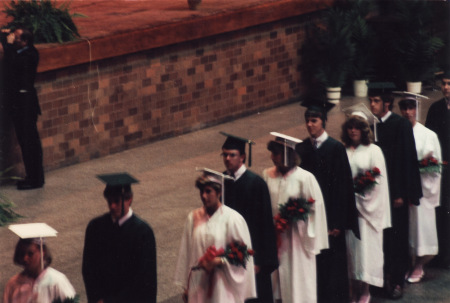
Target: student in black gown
(249,196)
(396,139)
(327,160)
(438,120)
(119,258)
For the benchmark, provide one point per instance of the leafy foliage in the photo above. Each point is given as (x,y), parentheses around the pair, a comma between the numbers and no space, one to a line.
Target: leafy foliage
(48,23)
(328,48)
(7,215)
(414,45)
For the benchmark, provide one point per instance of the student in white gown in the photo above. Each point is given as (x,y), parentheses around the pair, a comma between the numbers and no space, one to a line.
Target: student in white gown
(218,225)
(295,280)
(365,255)
(422,218)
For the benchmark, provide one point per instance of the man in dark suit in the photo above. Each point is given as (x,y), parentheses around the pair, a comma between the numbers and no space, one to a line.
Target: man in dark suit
(396,140)
(327,160)
(438,120)
(19,72)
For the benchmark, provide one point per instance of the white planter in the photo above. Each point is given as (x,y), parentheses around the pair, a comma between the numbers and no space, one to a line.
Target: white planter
(334,94)
(414,87)
(360,88)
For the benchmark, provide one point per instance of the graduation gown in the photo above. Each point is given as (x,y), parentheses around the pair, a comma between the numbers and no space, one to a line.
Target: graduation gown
(119,263)
(438,120)
(329,164)
(231,284)
(396,140)
(249,196)
(422,220)
(295,279)
(366,254)
(49,286)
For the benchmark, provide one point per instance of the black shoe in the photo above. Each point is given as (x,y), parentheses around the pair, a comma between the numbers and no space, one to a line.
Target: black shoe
(396,293)
(27,184)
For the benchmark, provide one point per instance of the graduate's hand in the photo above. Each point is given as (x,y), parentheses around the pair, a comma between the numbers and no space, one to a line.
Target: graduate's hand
(398,202)
(10,38)
(335,232)
(208,266)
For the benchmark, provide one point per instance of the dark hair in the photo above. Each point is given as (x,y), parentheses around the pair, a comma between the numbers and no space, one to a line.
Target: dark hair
(26,36)
(407,103)
(361,124)
(117,192)
(203,181)
(311,113)
(386,97)
(277,148)
(23,244)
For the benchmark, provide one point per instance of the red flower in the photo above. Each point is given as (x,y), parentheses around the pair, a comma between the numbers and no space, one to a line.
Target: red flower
(231,256)
(376,170)
(251,252)
(311,200)
(301,210)
(240,256)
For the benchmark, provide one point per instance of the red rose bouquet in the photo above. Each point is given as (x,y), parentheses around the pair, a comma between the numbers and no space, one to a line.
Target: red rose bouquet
(430,165)
(293,210)
(365,181)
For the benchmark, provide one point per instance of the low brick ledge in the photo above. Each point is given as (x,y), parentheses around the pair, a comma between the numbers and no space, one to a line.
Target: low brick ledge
(56,56)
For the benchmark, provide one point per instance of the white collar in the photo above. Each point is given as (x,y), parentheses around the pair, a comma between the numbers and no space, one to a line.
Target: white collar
(320,139)
(126,217)
(385,117)
(240,172)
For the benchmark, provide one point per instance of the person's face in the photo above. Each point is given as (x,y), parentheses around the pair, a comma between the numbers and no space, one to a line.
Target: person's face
(409,113)
(115,207)
(18,43)
(210,199)
(445,87)
(32,260)
(277,159)
(377,106)
(354,134)
(314,126)
(232,159)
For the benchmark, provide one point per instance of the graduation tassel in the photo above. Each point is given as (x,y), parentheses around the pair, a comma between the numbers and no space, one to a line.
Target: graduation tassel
(249,154)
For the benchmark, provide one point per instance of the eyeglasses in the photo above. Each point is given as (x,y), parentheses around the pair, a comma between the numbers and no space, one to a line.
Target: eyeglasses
(231,155)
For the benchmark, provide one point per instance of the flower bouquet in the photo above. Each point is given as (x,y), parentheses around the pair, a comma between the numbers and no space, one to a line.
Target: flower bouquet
(430,165)
(293,210)
(365,181)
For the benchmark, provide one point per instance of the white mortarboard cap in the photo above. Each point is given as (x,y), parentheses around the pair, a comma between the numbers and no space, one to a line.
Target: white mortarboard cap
(287,141)
(362,111)
(33,230)
(411,96)
(216,177)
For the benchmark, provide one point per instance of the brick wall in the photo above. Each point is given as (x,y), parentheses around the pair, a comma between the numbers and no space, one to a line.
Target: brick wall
(96,109)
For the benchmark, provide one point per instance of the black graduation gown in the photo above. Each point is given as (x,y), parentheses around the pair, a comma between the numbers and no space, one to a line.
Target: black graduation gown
(119,263)
(438,120)
(396,140)
(329,164)
(250,197)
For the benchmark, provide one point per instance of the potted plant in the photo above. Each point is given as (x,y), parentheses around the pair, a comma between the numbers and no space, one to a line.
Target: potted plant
(48,23)
(414,45)
(329,52)
(364,41)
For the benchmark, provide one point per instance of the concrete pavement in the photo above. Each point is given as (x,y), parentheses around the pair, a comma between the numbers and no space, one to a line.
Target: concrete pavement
(166,193)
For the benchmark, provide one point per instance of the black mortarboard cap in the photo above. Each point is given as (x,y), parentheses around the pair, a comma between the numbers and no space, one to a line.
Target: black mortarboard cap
(235,142)
(317,107)
(117,184)
(445,74)
(380,88)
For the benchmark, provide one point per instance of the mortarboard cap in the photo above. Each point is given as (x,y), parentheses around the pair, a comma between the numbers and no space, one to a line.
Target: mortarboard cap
(287,142)
(36,231)
(117,179)
(445,74)
(410,98)
(235,142)
(317,107)
(380,88)
(216,177)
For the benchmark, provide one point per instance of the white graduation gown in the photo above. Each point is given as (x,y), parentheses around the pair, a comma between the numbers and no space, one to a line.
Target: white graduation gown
(422,219)
(48,286)
(365,256)
(295,279)
(232,284)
